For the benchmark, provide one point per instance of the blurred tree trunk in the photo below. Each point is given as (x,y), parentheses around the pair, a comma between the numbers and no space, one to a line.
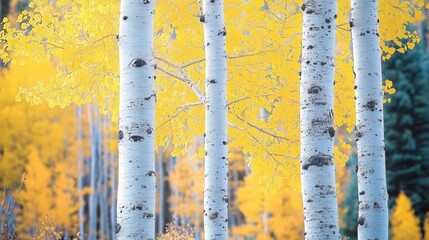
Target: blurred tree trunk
(93,172)
(81,172)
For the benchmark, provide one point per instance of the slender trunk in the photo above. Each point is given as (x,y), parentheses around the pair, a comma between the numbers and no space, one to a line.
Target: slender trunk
(112,194)
(373,211)
(161,222)
(216,160)
(92,176)
(80,164)
(317,133)
(104,223)
(137,180)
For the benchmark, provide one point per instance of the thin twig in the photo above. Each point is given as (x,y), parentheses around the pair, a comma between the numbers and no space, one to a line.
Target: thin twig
(260,129)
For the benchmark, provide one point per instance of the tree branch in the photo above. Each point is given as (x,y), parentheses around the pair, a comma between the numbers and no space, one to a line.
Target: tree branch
(229,57)
(184,78)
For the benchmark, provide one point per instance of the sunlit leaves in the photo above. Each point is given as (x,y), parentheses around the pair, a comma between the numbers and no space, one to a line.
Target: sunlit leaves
(388,90)
(263,48)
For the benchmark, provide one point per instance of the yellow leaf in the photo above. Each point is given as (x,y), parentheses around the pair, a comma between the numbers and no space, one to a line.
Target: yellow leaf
(389,83)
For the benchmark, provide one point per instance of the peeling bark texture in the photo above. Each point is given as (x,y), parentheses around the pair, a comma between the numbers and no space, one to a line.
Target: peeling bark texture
(216,147)
(317,119)
(136,188)
(373,220)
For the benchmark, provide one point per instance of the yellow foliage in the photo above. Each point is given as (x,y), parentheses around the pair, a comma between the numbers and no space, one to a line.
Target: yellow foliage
(282,210)
(34,141)
(263,71)
(405,225)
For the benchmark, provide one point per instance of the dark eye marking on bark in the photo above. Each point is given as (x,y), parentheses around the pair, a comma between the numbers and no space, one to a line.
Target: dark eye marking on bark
(125,18)
(310,47)
(224,143)
(138,207)
(222,32)
(137,62)
(212,1)
(318,121)
(331,132)
(318,160)
(120,134)
(150,173)
(136,138)
(314,90)
(370,105)
(213,216)
(327,20)
(352,24)
(148,98)
(376,205)
(149,131)
(309,11)
(323,63)
(335,16)
(303,7)
(362,193)
(146,1)
(117,228)
(147,215)
(225,199)
(202,18)
(212,81)
(361,221)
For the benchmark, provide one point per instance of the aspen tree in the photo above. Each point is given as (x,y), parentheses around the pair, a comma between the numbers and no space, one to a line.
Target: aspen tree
(373,211)
(216,145)
(317,121)
(80,164)
(136,178)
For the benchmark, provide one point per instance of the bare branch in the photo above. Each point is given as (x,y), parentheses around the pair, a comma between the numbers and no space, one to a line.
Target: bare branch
(229,57)
(183,77)
(260,129)
(246,98)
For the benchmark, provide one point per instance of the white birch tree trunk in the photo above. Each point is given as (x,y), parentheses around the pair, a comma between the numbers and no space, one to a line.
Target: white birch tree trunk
(80,164)
(112,194)
(373,211)
(216,140)
(317,132)
(136,178)
(92,205)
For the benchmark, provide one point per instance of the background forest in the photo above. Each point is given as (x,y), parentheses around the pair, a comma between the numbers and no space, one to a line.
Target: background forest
(59,111)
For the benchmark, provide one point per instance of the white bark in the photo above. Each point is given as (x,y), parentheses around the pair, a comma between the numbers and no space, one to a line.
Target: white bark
(373,211)
(92,227)
(103,181)
(136,178)
(112,194)
(317,132)
(216,160)
(80,164)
